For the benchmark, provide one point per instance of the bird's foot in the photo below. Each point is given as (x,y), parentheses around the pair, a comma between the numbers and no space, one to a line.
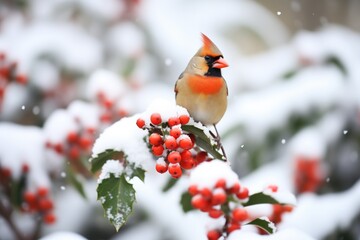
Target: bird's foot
(217,139)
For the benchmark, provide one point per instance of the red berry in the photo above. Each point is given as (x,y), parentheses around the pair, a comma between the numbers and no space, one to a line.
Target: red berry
(122,113)
(174,157)
(175,132)
(155,139)
(5,172)
(201,156)
(221,183)
(21,78)
(155,118)
(215,213)
(72,137)
(49,218)
(186,154)
(74,153)
(25,168)
(90,130)
(186,143)
(273,188)
(199,202)
(193,190)
(240,214)
(42,191)
(106,117)
(85,143)
(219,197)
(206,193)
(107,103)
(45,204)
(232,227)
(58,147)
(173,121)
(175,170)
(157,150)
(235,188)
(184,119)
(140,123)
(213,235)
(187,163)
(161,167)
(30,197)
(170,143)
(243,193)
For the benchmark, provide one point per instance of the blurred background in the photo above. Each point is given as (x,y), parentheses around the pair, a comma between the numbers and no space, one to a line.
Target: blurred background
(71,68)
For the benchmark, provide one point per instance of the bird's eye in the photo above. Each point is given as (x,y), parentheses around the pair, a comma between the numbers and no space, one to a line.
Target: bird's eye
(207,58)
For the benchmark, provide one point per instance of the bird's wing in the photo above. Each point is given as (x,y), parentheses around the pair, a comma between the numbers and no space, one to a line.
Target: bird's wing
(175,88)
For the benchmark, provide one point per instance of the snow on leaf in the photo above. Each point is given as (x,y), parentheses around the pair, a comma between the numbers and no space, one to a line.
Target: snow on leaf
(265,224)
(260,198)
(98,161)
(117,197)
(133,171)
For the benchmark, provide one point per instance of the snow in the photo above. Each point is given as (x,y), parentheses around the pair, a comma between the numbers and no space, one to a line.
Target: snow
(113,167)
(208,173)
(24,145)
(85,113)
(105,82)
(126,39)
(58,125)
(125,136)
(281,196)
(331,211)
(166,109)
(65,42)
(63,235)
(285,234)
(309,144)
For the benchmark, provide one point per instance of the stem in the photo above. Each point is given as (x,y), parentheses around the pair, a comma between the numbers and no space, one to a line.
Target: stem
(6,212)
(218,140)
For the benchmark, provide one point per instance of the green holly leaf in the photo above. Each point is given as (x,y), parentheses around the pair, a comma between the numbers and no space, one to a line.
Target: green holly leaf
(185,202)
(98,161)
(117,197)
(203,141)
(136,172)
(260,198)
(169,184)
(264,223)
(76,183)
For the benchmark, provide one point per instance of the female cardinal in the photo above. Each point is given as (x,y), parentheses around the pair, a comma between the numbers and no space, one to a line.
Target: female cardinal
(200,88)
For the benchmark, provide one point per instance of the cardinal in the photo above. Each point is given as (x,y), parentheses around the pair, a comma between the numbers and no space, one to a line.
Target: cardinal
(201,89)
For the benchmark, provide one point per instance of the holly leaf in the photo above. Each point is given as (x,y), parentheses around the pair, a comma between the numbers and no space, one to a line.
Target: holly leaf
(136,172)
(185,202)
(264,223)
(169,184)
(203,141)
(117,197)
(76,183)
(98,161)
(260,198)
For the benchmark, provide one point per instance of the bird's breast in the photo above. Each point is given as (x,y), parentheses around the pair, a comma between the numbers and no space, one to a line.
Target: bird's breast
(205,84)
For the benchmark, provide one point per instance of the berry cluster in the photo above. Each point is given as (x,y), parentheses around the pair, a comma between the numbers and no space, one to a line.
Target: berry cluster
(110,112)
(39,202)
(175,149)
(76,144)
(278,210)
(218,202)
(308,176)
(8,73)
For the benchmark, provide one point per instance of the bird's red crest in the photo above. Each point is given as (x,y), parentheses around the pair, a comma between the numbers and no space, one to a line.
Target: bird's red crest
(209,48)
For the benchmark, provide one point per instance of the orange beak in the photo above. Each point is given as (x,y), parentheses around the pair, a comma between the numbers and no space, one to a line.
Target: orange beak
(220,63)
